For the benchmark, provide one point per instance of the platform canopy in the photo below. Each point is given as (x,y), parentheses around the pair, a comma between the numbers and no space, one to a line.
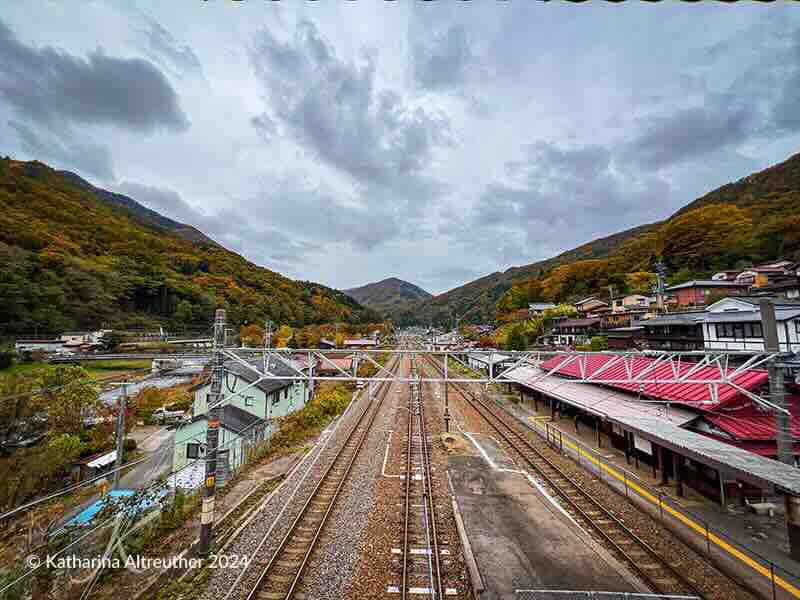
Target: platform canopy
(664,429)
(603,402)
(637,374)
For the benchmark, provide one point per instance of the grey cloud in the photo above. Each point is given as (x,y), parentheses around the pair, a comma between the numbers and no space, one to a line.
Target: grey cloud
(760,102)
(315,214)
(252,234)
(559,196)
(161,44)
(687,134)
(332,107)
(166,202)
(444,61)
(51,86)
(264,126)
(89,158)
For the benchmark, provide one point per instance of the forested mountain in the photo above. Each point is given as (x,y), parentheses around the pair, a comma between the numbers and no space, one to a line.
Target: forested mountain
(140,213)
(755,219)
(388,295)
(74,256)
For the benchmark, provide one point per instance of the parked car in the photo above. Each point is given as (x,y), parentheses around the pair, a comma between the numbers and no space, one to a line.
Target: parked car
(162,415)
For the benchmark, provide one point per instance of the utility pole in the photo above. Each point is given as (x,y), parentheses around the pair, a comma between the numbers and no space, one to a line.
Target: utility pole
(267,340)
(123,406)
(661,271)
(446,402)
(212,436)
(268,334)
(777,391)
(783,434)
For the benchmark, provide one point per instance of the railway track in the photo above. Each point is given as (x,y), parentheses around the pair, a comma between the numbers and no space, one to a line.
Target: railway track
(242,511)
(654,570)
(420,555)
(280,576)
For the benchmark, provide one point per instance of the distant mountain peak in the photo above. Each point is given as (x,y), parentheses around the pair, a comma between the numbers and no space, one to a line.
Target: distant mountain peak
(388,294)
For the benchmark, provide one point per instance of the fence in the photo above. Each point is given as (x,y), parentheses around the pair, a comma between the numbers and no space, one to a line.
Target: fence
(761,575)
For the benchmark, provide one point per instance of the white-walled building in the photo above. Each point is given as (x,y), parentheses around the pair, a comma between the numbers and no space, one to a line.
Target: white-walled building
(38,345)
(735,324)
(489,363)
(632,302)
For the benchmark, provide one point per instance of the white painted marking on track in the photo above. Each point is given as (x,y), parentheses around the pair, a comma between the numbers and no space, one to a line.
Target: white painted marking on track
(529,477)
(386,458)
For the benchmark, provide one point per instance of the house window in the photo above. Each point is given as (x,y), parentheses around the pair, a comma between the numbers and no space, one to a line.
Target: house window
(797,327)
(739,331)
(276,398)
(192,450)
(753,330)
(248,400)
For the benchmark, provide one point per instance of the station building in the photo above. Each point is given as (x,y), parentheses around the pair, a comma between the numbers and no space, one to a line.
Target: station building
(710,437)
(489,363)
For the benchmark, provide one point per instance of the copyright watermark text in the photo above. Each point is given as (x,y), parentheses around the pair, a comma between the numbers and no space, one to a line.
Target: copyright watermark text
(137,562)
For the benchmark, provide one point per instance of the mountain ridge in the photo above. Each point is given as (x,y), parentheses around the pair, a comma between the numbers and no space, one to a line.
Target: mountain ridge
(76,256)
(146,215)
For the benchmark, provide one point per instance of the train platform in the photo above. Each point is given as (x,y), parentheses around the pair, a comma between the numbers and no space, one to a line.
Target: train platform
(500,507)
(754,546)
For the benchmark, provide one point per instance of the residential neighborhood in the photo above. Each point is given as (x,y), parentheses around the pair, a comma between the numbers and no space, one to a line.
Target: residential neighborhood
(721,313)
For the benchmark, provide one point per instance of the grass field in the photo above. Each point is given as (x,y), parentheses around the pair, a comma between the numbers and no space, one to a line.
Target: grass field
(96,369)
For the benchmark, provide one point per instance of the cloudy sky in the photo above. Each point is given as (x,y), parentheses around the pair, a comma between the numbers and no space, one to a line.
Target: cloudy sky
(345,142)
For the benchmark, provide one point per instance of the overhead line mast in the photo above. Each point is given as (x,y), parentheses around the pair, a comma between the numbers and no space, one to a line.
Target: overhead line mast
(212,436)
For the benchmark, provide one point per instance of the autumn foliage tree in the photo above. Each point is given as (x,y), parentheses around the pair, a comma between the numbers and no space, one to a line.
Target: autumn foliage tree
(70,396)
(692,244)
(708,238)
(251,336)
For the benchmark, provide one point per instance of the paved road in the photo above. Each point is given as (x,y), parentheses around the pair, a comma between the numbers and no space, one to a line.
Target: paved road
(155,443)
(158,446)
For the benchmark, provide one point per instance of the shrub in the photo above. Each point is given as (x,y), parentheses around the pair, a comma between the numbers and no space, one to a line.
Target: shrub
(599,343)
(129,445)
(6,359)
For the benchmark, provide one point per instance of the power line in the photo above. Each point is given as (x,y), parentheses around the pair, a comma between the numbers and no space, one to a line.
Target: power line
(100,380)
(82,484)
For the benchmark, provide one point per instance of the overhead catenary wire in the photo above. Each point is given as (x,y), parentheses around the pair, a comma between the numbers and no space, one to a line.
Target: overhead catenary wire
(159,481)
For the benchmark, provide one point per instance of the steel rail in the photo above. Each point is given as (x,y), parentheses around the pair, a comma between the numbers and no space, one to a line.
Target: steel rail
(515,439)
(407,502)
(372,408)
(429,492)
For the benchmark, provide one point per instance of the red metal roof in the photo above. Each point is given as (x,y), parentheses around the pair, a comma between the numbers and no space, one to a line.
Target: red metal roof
(697,395)
(752,424)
